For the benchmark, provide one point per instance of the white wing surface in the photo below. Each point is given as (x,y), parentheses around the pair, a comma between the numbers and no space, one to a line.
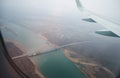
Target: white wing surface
(111,25)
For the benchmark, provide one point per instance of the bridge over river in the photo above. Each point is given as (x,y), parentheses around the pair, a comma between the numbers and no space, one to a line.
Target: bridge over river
(51,50)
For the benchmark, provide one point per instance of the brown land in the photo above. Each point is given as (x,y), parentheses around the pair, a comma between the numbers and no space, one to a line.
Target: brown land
(26,64)
(91,68)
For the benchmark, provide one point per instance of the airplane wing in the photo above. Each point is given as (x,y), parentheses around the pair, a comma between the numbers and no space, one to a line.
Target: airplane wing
(113,27)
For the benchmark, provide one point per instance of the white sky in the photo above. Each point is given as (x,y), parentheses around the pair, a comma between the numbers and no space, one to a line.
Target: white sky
(107,8)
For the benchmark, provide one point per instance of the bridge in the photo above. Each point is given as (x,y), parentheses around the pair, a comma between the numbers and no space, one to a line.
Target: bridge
(46,52)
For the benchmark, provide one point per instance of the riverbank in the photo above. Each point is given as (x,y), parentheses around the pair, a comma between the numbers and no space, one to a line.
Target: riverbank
(89,67)
(26,64)
(36,69)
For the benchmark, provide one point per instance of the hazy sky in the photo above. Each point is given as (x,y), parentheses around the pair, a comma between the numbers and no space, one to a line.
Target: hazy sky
(107,8)
(53,7)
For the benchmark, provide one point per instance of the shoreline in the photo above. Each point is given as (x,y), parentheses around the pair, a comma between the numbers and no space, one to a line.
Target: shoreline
(36,69)
(74,61)
(17,45)
(23,50)
(89,65)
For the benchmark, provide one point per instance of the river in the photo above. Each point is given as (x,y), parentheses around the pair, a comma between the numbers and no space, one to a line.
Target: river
(57,65)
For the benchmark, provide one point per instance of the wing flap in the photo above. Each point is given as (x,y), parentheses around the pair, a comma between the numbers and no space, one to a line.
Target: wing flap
(89,20)
(106,33)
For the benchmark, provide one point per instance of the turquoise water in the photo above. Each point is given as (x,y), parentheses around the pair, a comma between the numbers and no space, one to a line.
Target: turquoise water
(57,65)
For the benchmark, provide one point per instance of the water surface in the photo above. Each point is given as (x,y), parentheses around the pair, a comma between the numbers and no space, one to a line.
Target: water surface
(57,65)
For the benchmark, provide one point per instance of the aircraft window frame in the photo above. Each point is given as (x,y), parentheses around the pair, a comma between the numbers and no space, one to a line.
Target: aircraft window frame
(9,59)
